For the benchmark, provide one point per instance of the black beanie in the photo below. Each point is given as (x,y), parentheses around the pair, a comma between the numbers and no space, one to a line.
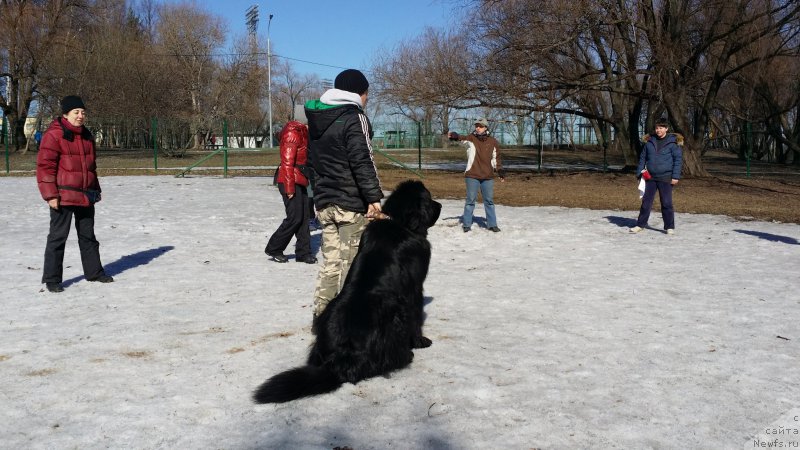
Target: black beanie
(351,80)
(71,102)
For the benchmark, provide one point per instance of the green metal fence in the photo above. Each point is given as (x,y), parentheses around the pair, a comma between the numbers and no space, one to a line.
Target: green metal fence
(4,136)
(168,145)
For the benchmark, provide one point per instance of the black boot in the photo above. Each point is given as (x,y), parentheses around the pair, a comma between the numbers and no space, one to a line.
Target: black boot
(278,257)
(55,287)
(103,279)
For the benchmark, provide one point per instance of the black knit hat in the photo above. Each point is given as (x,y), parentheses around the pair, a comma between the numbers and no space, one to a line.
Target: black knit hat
(71,102)
(351,80)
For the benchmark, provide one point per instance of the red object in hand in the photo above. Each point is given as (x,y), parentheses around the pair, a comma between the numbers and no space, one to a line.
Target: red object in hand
(646,175)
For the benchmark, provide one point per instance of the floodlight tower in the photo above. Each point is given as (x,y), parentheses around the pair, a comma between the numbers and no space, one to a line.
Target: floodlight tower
(252,20)
(269,80)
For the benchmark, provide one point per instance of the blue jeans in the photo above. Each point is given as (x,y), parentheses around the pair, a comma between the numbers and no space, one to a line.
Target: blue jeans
(487,192)
(664,189)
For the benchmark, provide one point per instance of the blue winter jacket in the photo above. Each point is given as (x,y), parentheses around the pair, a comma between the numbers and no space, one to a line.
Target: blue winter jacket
(663,165)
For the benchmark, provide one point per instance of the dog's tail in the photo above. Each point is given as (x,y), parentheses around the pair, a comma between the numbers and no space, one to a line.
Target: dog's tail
(296,383)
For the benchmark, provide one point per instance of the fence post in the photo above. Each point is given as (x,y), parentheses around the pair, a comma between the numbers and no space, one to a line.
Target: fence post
(5,140)
(225,148)
(419,146)
(541,141)
(154,127)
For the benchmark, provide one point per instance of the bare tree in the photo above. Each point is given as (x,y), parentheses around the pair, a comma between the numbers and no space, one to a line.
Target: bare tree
(31,32)
(292,89)
(427,77)
(191,36)
(619,61)
(240,90)
(757,109)
(698,47)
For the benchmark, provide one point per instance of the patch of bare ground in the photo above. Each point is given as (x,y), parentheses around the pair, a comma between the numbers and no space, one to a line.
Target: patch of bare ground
(741,198)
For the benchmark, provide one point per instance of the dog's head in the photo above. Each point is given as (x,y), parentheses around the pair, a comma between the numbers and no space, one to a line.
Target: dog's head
(411,205)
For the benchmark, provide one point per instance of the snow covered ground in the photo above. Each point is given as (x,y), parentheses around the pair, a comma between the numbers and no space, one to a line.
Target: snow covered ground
(562,331)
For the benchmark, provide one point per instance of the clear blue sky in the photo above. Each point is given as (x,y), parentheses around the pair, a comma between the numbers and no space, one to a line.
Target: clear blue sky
(340,33)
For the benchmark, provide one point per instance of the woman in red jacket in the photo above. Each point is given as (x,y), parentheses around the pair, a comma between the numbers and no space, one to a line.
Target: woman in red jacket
(67,176)
(292,185)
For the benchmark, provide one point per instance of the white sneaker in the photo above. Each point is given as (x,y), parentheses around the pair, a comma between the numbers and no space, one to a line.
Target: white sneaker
(635,229)
(671,231)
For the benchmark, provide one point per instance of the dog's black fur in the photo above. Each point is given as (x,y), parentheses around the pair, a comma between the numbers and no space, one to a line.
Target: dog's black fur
(370,328)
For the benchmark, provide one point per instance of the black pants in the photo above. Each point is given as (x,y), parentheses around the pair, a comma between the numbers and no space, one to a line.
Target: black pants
(295,224)
(60,220)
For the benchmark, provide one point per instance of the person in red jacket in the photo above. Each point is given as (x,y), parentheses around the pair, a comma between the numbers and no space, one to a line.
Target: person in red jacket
(67,176)
(292,183)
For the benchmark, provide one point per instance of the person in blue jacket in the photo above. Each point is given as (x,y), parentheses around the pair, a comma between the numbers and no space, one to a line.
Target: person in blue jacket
(662,158)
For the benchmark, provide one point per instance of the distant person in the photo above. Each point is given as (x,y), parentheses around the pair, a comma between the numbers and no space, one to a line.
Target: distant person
(483,162)
(347,190)
(292,184)
(67,178)
(662,158)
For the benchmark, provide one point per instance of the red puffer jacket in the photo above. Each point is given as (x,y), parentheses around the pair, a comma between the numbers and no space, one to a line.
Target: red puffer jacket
(65,165)
(294,152)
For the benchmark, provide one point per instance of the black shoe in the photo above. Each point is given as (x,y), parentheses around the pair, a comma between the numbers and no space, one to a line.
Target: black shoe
(103,279)
(278,257)
(494,229)
(310,259)
(466,229)
(55,287)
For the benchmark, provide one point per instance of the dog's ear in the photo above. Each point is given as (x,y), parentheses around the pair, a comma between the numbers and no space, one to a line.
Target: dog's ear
(410,206)
(397,205)
(429,211)
(414,222)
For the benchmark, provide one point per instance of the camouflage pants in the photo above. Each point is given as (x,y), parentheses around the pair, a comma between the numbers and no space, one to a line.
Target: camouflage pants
(341,233)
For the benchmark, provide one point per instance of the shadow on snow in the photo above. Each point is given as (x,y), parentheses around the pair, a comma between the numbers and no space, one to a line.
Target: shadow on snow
(127,262)
(770,237)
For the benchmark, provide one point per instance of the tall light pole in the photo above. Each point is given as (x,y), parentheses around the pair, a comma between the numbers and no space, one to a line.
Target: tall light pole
(269,80)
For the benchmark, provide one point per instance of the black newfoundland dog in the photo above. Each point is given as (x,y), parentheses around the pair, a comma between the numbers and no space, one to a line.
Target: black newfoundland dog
(370,328)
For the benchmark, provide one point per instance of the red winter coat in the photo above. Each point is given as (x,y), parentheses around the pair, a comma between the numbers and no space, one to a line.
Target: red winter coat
(294,152)
(65,165)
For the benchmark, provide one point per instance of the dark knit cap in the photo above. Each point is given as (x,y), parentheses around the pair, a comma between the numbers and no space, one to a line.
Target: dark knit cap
(71,102)
(351,80)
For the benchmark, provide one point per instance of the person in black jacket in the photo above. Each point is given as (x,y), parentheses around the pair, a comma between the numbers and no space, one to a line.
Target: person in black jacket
(347,191)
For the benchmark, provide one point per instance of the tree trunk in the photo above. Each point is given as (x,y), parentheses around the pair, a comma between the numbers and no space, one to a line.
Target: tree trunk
(197,139)
(629,148)
(692,164)
(19,132)
(627,137)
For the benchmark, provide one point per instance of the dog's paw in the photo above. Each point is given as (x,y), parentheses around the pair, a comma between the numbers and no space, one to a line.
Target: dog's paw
(422,342)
